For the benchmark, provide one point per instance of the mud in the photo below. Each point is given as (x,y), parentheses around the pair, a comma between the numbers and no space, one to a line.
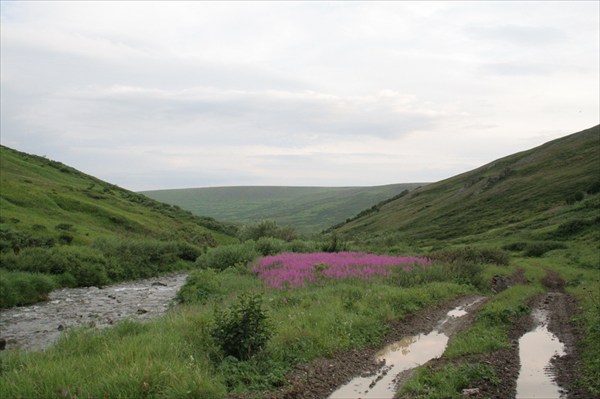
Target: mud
(560,308)
(320,378)
(38,326)
(402,357)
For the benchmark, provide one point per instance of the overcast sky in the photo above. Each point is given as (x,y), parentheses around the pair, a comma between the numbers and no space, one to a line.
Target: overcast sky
(152,95)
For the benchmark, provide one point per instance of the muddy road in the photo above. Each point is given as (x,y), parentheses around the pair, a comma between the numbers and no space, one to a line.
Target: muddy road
(37,326)
(549,326)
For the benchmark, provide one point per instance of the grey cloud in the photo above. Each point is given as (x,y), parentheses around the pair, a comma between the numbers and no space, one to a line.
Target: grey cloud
(518,34)
(517,69)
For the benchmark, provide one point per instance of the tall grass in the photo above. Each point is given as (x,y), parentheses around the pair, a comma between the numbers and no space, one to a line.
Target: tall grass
(178,356)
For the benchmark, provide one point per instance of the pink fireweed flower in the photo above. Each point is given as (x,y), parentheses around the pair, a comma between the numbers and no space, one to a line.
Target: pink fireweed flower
(290,270)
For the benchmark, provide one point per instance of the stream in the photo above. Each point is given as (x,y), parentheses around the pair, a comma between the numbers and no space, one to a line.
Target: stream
(38,326)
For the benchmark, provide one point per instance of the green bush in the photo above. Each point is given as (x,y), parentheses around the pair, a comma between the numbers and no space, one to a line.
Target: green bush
(575,197)
(458,272)
(269,246)
(15,240)
(199,287)
(222,257)
(86,265)
(571,228)
(130,259)
(334,244)
(301,246)
(537,249)
(243,330)
(515,246)
(472,255)
(266,228)
(20,288)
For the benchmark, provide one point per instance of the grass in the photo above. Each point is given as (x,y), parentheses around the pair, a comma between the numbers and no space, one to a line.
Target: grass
(447,382)
(308,209)
(528,190)
(540,205)
(80,231)
(490,331)
(178,357)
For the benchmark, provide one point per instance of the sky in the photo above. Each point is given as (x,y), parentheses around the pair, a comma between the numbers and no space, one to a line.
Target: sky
(157,95)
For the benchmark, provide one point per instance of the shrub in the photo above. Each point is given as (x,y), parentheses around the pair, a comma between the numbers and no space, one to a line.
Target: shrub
(222,257)
(199,286)
(575,197)
(515,246)
(334,244)
(129,259)
(65,238)
(537,249)
(266,228)
(243,330)
(458,272)
(269,246)
(86,265)
(594,188)
(472,255)
(19,288)
(301,246)
(570,228)
(15,241)
(64,227)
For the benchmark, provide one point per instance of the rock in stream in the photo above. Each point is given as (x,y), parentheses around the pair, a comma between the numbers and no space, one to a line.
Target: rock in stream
(38,326)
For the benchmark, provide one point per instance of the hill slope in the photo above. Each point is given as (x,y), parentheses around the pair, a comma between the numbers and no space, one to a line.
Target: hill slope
(308,209)
(77,230)
(534,190)
(41,192)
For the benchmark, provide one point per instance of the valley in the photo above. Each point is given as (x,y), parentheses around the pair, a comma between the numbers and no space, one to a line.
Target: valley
(477,261)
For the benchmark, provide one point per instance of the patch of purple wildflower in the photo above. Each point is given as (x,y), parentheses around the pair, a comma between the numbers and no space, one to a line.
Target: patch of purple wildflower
(290,270)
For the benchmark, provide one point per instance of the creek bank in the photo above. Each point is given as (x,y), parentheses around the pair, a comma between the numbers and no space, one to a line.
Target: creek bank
(38,326)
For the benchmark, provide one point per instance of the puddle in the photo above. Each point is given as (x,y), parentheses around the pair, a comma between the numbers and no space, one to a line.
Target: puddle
(536,349)
(37,326)
(403,355)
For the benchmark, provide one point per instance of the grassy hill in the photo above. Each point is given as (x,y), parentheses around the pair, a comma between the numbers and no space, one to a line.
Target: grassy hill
(308,209)
(532,194)
(53,218)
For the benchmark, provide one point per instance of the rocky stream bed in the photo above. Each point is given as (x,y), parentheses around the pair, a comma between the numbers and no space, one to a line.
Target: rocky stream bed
(38,326)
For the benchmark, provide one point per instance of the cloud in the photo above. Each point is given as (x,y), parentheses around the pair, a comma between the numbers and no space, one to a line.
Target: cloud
(167,94)
(519,35)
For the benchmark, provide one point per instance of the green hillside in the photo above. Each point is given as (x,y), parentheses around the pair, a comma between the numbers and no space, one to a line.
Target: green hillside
(308,209)
(533,192)
(50,212)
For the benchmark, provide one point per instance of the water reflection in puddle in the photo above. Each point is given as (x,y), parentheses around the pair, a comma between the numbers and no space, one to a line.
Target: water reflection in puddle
(536,349)
(403,355)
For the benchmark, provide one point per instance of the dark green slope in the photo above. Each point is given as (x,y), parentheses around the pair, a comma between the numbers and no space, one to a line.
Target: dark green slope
(61,227)
(308,209)
(37,194)
(533,190)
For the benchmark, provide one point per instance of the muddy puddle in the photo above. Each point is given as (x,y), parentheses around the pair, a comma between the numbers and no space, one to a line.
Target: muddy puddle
(403,356)
(38,326)
(536,349)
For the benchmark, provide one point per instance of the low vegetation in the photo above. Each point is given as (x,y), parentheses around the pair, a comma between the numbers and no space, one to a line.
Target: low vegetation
(62,228)
(251,311)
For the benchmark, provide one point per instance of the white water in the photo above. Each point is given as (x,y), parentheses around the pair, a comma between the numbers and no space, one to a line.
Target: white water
(38,326)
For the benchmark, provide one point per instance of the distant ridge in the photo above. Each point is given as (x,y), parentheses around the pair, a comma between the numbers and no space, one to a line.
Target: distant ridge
(308,209)
(533,190)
